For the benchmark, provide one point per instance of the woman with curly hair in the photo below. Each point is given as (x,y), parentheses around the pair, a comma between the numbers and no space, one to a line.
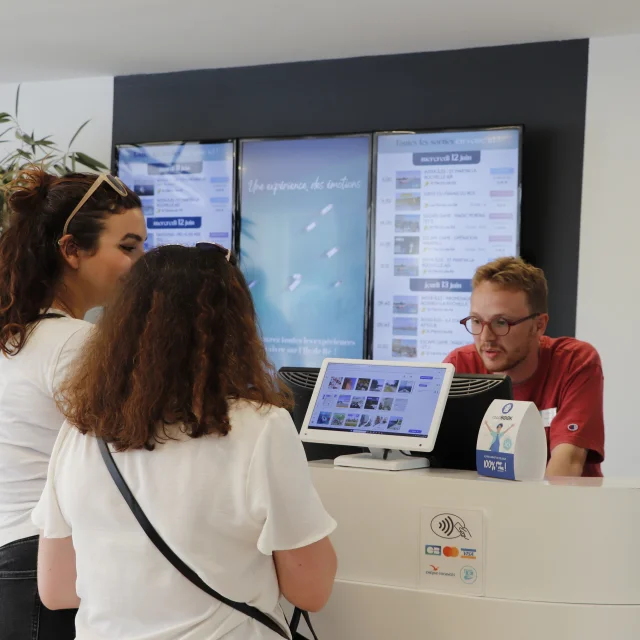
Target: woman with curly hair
(177,382)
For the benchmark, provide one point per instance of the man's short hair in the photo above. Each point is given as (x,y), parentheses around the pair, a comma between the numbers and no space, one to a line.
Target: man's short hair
(517,275)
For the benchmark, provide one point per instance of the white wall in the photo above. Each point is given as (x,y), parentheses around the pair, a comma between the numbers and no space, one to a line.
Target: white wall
(608,293)
(608,287)
(58,108)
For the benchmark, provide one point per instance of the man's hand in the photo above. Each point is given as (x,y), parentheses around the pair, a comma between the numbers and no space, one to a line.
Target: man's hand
(566,460)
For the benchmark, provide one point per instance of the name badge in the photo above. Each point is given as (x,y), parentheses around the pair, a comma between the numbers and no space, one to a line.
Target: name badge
(547,416)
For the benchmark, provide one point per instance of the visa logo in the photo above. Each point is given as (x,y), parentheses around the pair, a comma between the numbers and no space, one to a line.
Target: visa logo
(468,554)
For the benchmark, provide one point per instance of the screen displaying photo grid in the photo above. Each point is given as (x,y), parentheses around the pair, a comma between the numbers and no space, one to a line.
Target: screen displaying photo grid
(381,399)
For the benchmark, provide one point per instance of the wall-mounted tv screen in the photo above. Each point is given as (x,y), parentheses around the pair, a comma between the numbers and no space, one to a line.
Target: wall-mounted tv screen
(304,209)
(445,203)
(186,189)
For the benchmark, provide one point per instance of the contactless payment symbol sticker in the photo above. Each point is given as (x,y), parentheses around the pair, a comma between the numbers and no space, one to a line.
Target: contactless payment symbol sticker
(452,550)
(450,526)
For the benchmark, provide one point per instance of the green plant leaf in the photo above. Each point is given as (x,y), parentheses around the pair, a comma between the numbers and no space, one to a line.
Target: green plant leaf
(77,133)
(5,160)
(27,139)
(90,162)
(43,151)
(47,160)
(45,142)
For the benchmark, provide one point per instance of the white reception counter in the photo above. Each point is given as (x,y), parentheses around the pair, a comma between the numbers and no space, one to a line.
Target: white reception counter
(557,560)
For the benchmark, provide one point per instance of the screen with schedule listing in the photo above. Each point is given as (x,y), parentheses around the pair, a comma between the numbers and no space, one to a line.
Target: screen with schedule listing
(381,399)
(446,203)
(186,190)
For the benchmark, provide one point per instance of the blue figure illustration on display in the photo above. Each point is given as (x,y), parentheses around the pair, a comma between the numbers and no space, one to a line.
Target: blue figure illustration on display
(497,434)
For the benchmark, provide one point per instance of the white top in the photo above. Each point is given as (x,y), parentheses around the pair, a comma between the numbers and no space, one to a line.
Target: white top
(223,504)
(29,418)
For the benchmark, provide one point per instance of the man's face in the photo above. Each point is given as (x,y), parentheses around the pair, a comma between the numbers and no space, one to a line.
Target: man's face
(501,354)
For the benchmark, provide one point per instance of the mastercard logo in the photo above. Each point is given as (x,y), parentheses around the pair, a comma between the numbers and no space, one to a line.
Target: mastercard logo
(451,552)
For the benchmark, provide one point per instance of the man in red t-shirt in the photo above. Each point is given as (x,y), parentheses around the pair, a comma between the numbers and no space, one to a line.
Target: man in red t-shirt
(562,376)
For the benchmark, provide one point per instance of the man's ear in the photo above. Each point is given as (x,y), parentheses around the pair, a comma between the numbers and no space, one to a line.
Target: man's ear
(541,323)
(69,251)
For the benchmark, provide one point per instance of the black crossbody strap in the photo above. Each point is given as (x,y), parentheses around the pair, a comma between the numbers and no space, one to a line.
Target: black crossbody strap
(166,551)
(307,619)
(295,621)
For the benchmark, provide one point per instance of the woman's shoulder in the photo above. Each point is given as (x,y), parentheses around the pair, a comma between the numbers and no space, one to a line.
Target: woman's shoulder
(252,425)
(258,425)
(59,330)
(48,339)
(255,430)
(250,414)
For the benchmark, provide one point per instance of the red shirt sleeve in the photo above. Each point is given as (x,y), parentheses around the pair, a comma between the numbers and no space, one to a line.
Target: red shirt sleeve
(580,417)
(452,358)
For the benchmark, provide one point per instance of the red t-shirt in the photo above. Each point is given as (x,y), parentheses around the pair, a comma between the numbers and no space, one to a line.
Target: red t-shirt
(569,380)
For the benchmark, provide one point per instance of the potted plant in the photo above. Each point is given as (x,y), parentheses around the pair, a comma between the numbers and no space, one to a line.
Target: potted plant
(31,149)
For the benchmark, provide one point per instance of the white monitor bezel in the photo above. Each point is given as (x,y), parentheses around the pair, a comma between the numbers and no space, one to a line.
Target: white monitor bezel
(379,441)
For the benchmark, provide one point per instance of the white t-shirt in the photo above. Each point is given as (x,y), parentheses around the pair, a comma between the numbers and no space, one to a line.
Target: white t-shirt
(29,418)
(223,504)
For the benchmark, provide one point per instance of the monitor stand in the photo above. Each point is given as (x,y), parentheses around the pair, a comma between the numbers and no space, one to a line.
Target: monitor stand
(386,459)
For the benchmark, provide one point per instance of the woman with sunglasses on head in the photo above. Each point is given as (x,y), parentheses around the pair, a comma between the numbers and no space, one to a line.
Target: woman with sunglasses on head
(67,243)
(176,379)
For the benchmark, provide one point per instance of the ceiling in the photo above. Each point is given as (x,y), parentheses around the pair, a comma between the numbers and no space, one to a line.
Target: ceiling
(54,39)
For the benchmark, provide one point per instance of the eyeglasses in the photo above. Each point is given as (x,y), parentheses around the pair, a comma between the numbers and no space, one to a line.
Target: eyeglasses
(115,183)
(498,326)
(212,246)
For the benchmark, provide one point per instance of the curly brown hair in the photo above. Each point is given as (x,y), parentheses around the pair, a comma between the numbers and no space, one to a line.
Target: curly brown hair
(30,263)
(179,342)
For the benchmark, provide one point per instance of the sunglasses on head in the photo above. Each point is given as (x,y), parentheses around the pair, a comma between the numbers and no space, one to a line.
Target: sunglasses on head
(114,182)
(212,246)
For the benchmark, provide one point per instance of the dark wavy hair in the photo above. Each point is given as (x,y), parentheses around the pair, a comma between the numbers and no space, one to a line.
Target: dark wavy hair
(30,261)
(176,345)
